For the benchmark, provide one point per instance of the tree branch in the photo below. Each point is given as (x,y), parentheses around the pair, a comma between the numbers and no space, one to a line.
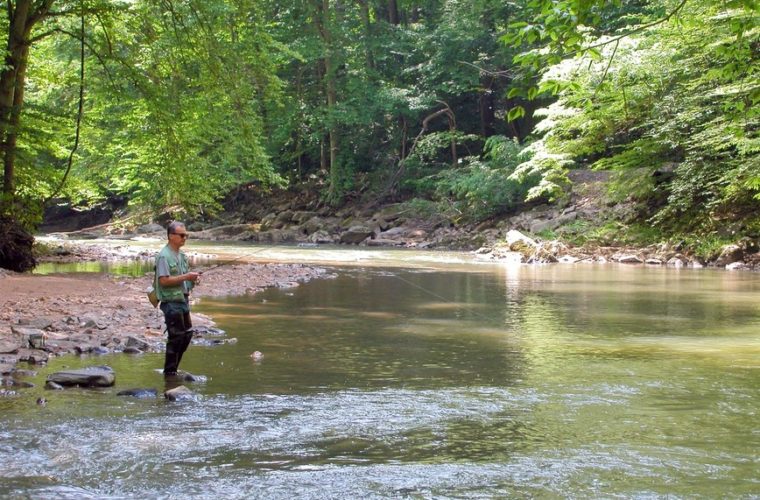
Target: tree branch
(639,29)
(81,40)
(39,13)
(500,74)
(80,112)
(609,63)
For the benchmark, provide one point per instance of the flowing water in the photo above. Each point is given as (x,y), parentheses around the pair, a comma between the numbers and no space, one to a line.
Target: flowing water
(440,380)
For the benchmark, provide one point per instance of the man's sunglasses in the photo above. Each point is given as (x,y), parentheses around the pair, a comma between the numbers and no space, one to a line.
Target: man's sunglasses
(181,235)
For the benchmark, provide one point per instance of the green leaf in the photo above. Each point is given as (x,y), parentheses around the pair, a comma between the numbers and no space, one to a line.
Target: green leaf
(515,113)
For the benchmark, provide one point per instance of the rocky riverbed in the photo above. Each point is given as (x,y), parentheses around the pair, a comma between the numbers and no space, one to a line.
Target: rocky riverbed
(51,315)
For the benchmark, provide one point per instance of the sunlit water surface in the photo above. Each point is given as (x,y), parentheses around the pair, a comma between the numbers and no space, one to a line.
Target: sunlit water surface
(439,381)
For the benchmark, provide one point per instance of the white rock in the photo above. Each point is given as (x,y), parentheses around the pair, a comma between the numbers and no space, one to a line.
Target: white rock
(675,262)
(567,259)
(629,259)
(513,237)
(737,266)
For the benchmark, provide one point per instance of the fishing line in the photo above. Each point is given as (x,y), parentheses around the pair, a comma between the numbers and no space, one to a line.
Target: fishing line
(226,263)
(229,262)
(444,299)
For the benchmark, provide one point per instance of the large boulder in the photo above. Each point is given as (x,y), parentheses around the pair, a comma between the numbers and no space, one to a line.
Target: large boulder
(282,219)
(730,254)
(301,217)
(267,221)
(390,213)
(93,376)
(355,235)
(225,232)
(9,346)
(313,225)
(320,237)
(518,242)
(150,228)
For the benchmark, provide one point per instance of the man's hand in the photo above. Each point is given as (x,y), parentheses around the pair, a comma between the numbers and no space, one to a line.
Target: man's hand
(177,280)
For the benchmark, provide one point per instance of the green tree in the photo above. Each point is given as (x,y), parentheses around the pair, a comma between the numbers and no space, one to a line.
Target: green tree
(677,97)
(176,117)
(23,18)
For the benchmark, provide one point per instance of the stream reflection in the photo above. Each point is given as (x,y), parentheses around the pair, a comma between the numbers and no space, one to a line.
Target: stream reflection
(479,381)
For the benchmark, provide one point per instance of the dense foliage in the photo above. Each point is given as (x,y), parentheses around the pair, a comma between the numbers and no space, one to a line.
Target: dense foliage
(671,109)
(477,105)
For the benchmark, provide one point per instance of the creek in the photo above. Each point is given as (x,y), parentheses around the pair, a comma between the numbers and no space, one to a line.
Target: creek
(424,375)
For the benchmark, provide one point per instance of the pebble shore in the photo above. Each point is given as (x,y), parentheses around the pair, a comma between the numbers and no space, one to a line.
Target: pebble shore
(52,315)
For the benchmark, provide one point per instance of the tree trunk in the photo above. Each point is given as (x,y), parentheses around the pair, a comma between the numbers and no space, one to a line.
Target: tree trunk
(16,48)
(367,24)
(486,106)
(393,16)
(332,101)
(322,21)
(22,17)
(9,158)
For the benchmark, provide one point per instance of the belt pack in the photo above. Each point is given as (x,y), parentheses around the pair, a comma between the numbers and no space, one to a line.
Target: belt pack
(152,297)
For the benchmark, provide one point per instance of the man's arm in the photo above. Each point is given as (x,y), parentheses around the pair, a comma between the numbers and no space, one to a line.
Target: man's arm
(177,280)
(165,278)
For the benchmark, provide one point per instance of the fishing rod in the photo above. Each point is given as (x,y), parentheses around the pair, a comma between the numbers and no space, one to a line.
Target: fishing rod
(223,264)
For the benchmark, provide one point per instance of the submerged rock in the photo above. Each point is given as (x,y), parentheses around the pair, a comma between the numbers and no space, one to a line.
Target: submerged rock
(180,393)
(140,393)
(207,330)
(189,377)
(12,382)
(93,376)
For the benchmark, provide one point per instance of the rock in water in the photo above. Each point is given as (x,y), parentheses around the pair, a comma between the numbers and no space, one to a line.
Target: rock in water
(93,376)
(139,393)
(189,377)
(180,393)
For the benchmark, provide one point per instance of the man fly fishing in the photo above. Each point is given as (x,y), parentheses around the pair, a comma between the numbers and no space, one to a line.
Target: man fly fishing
(173,283)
